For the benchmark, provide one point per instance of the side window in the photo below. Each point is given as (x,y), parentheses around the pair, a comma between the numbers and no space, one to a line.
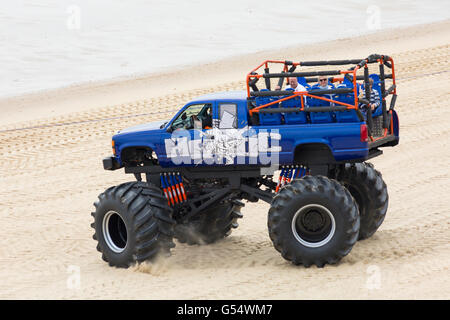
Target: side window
(227,116)
(193,117)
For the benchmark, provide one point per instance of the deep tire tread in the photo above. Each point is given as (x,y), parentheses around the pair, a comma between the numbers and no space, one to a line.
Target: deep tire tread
(370,191)
(150,222)
(311,186)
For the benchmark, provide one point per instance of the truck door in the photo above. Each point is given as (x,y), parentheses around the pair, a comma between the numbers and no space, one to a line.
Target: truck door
(182,142)
(228,139)
(241,144)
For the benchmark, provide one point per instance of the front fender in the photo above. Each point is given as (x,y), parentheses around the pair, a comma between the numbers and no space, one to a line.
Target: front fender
(119,149)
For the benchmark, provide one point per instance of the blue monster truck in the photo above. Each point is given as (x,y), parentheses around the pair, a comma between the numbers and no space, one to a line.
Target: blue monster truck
(303,152)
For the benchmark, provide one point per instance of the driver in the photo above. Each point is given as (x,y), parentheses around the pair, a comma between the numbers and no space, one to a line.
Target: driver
(196,123)
(207,120)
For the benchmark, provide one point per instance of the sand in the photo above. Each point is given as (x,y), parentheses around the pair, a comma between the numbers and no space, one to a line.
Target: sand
(52,144)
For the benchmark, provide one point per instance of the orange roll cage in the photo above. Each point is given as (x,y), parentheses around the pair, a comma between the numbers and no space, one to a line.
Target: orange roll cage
(359,64)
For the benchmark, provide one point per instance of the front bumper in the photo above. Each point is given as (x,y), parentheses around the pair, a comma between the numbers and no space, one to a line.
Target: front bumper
(110,163)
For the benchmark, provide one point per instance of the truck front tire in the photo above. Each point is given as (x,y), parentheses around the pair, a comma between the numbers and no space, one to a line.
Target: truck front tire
(132,223)
(313,220)
(370,192)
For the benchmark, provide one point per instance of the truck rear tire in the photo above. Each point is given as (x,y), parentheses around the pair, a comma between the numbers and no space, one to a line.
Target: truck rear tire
(211,224)
(132,223)
(313,220)
(370,192)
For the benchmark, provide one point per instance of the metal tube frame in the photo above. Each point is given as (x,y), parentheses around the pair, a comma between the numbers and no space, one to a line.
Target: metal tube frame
(382,60)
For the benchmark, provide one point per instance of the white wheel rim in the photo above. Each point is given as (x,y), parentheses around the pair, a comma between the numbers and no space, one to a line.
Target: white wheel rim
(106,227)
(304,242)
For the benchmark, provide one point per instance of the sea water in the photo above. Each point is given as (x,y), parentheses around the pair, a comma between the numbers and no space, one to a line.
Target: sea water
(49,44)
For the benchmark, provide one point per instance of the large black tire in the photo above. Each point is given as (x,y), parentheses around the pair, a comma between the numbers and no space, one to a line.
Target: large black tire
(211,224)
(132,223)
(370,192)
(313,220)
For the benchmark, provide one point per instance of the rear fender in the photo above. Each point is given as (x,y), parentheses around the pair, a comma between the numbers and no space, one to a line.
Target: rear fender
(395,123)
(313,152)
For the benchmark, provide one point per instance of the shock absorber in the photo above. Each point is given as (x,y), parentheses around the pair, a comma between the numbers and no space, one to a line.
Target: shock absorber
(290,173)
(285,176)
(175,188)
(280,178)
(180,183)
(164,187)
(169,190)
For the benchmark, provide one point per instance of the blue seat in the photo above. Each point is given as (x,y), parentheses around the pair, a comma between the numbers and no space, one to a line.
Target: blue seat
(302,81)
(262,100)
(331,84)
(348,82)
(293,117)
(376,86)
(319,117)
(313,102)
(347,116)
(349,98)
(376,80)
(268,118)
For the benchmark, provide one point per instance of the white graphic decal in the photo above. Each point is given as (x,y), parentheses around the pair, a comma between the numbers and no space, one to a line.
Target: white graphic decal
(226,146)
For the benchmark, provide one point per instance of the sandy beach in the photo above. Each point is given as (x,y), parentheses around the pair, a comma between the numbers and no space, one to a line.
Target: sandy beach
(52,144)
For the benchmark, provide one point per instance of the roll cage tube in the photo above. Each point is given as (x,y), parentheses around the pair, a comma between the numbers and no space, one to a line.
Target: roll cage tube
(288,68)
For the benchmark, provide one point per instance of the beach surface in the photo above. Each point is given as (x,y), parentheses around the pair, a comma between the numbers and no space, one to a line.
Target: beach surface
(52,144)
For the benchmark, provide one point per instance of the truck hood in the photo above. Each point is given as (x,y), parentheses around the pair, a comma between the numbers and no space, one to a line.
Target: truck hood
(144,127)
